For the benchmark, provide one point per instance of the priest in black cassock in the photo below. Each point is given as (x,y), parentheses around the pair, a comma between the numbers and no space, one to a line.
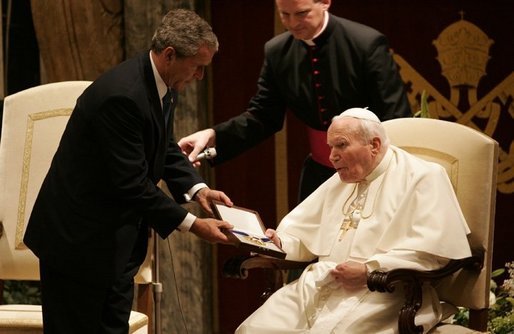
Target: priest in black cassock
(321,66)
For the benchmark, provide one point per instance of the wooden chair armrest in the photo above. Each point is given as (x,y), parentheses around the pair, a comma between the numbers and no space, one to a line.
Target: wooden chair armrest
(238,267)
(412,280)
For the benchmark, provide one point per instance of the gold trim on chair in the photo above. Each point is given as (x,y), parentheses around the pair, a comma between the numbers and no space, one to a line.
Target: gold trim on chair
(32,118)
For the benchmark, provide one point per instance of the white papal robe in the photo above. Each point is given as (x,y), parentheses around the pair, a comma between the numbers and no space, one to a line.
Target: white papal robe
(410,218)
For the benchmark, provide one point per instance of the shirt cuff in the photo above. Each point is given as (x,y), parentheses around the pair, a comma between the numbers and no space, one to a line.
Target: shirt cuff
(191,192)
(186,224)
(372,265)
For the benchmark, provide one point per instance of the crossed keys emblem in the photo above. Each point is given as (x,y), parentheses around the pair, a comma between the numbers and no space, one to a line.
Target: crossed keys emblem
(463,52)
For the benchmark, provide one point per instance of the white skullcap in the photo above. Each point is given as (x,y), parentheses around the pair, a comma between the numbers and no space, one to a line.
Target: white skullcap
(360,113)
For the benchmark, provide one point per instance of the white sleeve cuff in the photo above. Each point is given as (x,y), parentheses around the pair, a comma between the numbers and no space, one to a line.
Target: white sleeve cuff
(186,224)
(191,192)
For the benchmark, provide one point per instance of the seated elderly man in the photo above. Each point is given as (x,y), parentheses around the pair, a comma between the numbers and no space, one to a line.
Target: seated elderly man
(384,208)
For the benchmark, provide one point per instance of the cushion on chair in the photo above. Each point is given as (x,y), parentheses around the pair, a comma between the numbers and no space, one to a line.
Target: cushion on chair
(27,319)
(138,323)
(21,319)
(451,329)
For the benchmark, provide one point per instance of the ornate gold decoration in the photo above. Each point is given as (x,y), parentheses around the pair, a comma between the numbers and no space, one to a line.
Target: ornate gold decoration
(463,52)
(27,152)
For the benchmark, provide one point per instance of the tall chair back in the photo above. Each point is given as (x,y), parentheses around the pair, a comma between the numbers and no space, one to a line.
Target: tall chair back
(33,123)
(471,160)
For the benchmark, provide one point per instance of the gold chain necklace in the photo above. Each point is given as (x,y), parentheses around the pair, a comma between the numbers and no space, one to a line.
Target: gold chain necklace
(355,211)
(352,215)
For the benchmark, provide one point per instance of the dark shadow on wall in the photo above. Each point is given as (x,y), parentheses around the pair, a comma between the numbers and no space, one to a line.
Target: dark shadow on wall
(21,53)
(20,49)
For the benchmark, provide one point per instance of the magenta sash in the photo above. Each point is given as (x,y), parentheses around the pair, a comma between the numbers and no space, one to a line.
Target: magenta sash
(319,147)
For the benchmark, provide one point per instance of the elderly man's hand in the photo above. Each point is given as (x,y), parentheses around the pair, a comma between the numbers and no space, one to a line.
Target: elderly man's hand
(210,229)
(273,236)
(351,275)
(205,196)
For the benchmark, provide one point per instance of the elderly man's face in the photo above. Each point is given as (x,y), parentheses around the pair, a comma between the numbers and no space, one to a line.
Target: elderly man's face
(352,158)
(303,18)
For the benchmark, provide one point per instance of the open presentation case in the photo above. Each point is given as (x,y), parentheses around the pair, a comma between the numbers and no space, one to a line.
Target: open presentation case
(248,231)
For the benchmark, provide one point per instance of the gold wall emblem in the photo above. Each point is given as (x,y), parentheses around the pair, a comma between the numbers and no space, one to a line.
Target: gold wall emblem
(463,53)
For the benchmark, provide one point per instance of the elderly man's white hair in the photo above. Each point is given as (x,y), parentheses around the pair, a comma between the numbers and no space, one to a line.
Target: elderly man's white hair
(360,113)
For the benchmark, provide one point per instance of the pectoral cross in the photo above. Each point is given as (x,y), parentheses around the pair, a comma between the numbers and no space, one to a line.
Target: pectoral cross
(350,221)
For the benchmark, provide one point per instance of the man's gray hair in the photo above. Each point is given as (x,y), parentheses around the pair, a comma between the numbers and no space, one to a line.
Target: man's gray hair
(185,31)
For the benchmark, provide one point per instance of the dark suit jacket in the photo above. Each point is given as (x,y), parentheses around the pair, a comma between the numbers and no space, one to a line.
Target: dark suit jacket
(354,68)
(100,192)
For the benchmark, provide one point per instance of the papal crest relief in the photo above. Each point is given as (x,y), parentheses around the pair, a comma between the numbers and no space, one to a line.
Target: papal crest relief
(463,53)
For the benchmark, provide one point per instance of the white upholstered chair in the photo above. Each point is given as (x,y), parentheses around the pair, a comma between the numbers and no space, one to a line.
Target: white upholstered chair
(471,160)
(33,122)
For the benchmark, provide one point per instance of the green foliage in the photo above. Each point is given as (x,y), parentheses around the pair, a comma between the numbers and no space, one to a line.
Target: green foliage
(423,112)
(462,317)
(22,292)
(501,310)
(502,325)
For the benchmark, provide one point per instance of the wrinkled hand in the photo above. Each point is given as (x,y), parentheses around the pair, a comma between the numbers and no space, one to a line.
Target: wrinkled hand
(272,234)
(351,275)
(210,230)
(205,196)
(193,144)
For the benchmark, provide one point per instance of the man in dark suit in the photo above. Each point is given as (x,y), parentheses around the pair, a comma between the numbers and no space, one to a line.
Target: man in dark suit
(89,224)
(321,66)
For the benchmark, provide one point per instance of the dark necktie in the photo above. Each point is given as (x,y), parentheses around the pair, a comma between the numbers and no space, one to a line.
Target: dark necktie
(168,104)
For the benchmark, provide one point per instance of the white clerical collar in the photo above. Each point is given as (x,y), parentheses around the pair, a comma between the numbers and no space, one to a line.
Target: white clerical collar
(382,166)
(310,42)
(162,89)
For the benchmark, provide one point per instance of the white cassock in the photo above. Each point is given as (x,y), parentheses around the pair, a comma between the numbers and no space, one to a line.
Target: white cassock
(409,218)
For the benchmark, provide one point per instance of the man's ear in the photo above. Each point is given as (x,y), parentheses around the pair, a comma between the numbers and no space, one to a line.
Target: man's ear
(376,145)
(326,4)
(169,53)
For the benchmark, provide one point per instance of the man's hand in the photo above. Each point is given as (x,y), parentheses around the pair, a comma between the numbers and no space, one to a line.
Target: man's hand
(351,275)
(273,236)
(193,144)
(210,230)
(205,196)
